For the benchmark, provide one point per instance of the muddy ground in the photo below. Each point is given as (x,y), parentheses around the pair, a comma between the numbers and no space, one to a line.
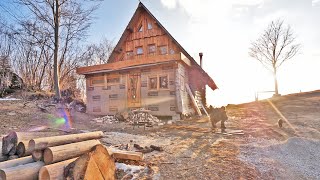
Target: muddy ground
(193,151)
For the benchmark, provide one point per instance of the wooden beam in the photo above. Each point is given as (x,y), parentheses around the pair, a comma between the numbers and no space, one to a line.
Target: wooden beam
(68,151)
(42,143)
(54,171)
(134,62)
(16,162)
(28,171)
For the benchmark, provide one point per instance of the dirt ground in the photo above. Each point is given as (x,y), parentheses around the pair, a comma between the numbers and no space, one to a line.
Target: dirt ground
(192,150)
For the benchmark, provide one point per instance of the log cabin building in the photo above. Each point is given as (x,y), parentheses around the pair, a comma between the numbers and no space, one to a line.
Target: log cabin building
(147,69)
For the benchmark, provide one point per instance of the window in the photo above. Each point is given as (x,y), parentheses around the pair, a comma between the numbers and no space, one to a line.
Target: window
(163,80)
(153,83)
(160,82)
(140,29)
(171,51)
(113,80)
(163,50)
(139,50)
(151,49)
(129,54)
(149,26)
(96,81)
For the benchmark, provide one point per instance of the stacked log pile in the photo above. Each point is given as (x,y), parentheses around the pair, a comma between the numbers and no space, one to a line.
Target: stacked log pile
(73,156)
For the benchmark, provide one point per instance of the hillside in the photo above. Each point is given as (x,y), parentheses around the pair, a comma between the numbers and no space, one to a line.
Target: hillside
(193,151)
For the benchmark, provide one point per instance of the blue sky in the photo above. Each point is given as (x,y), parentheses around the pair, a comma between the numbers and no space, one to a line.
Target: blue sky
(223,30)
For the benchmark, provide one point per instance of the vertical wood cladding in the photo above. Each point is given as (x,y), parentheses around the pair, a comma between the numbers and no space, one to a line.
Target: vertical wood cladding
(145,38)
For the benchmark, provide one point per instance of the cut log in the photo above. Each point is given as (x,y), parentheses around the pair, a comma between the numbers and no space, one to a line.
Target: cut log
(28,171)
(54,171)
(68,151)
(16,162)
(97,164)
(10,142)
(23,149)
(42,143)
(37,155)
(125,155)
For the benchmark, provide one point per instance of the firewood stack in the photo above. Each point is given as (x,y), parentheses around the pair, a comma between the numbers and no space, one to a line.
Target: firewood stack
(74,156)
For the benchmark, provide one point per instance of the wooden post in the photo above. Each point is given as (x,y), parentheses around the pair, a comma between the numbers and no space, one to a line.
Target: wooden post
(16,162)
(68,151)
(42,143)
(28,171)
(54,171)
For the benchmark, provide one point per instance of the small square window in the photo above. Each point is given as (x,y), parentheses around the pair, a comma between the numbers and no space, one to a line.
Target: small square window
(163,50)
(139,50)
(151,49)
(153,83)
(172,51)
(149,26)
(163,82)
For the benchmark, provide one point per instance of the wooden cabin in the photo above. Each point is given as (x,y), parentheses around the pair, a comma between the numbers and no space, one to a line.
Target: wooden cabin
(147,69)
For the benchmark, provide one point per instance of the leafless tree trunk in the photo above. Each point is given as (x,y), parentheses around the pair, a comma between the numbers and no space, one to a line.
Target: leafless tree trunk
(275,46)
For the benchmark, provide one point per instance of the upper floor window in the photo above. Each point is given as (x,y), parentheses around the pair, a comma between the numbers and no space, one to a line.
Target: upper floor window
(151,49)
(163,50)
(139,50)
(140,29)
(172,51)
(149,26)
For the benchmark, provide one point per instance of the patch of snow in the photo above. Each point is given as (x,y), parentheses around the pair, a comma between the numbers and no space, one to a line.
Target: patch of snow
(9,99)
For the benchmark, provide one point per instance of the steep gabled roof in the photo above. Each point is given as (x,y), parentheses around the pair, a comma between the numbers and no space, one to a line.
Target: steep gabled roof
(208,80)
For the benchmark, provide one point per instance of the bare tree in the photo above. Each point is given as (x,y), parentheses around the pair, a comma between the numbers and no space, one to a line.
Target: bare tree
(97,53)
(275,46)
(64,21)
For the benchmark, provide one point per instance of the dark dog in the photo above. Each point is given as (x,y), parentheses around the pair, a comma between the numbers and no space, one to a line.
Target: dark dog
(218,114)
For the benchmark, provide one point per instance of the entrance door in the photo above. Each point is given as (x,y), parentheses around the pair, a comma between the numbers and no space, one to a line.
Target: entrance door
(134,90)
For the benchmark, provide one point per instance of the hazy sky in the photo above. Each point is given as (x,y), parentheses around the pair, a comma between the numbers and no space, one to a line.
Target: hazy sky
(223,30)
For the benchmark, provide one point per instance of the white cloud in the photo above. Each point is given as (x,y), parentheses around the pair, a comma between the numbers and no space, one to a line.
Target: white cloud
(315,2)
(170,4)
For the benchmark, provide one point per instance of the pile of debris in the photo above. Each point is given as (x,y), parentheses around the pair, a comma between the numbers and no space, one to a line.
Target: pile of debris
(142,116)
(106,119)
(73,156)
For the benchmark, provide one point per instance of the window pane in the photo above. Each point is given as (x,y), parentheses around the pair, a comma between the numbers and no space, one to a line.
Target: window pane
(149,26)
(163,82)
(97,81)
(139,50)
(113,80)
(163,49)
(151,48)
(153,83)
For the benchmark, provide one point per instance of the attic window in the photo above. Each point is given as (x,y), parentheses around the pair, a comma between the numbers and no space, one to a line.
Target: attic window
(149,26)
(139,50)
(163,50)
(140,29)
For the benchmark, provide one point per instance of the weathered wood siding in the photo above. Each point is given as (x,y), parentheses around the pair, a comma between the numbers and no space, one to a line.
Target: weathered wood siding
(183,100)
(150,34)
(108,99)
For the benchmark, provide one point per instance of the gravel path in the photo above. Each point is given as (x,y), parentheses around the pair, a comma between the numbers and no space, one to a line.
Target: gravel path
(295,158)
